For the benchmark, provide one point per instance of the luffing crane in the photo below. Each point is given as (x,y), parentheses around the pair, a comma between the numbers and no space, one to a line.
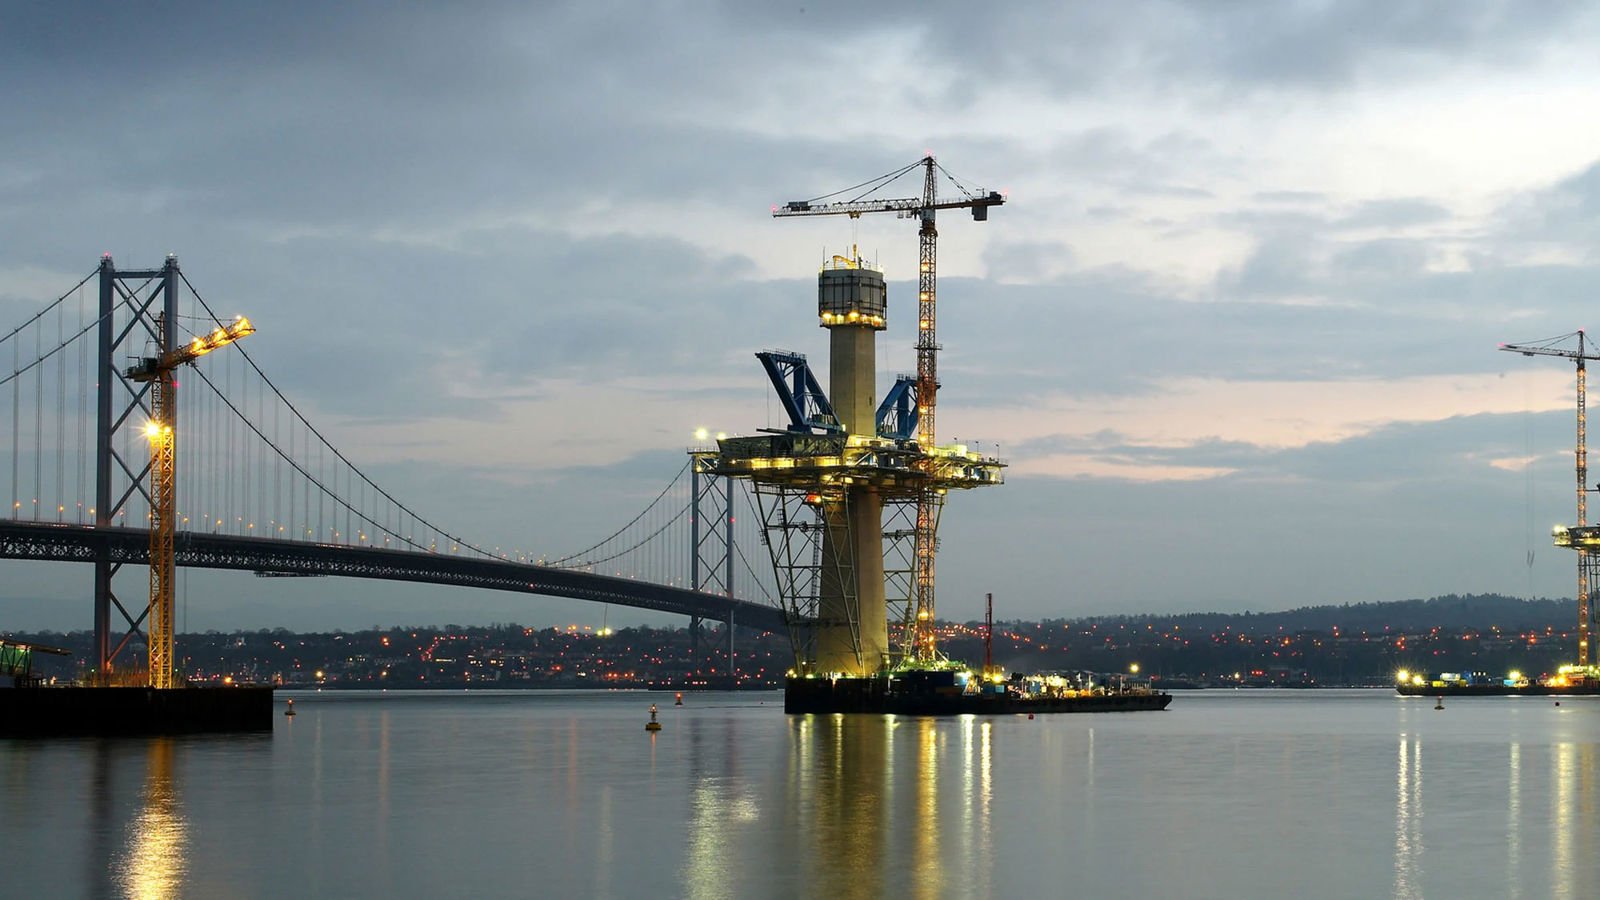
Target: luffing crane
(922,631)
(157,371)
(1582,538)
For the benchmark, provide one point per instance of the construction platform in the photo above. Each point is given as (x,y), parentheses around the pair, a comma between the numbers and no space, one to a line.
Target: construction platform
(937,693)
(114,711)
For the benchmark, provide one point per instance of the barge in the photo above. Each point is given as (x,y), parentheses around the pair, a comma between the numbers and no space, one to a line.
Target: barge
(111,711)
(949,692)
(1568,681)
(32,706)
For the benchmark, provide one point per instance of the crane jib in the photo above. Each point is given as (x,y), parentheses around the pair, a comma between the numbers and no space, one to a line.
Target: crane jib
(978,205)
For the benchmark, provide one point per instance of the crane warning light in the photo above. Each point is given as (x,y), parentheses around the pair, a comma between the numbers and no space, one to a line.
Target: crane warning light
(814,499)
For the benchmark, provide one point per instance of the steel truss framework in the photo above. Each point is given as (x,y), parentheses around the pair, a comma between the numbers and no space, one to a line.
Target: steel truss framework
(132,301)
(131,546)
(710,547)
(900,568)
(801,483)
(792,528)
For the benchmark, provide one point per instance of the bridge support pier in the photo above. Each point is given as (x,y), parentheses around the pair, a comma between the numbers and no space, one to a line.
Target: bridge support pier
(694,643)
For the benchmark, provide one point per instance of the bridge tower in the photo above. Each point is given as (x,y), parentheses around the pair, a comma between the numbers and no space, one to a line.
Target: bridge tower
(710,548)
(133,303)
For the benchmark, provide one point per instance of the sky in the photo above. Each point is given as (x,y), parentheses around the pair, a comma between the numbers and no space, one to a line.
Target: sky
(1234,331)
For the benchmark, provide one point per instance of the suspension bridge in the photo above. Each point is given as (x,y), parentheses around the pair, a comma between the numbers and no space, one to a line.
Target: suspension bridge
(257,487)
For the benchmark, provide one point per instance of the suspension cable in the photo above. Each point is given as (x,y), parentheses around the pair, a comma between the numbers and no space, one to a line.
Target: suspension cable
(297,467)
(298,415)
(64,345)
(571,556)
(647,539)
(58,301)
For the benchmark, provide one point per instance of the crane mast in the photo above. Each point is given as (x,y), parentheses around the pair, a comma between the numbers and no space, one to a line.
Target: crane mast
(920,638)
(1582,538)
(925,544)
(157,371)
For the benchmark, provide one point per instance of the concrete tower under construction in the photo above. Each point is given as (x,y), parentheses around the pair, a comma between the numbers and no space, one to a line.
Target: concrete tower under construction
(852,630)
(823,482)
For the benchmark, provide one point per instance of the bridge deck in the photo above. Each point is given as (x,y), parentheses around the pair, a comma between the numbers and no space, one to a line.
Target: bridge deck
(131,546)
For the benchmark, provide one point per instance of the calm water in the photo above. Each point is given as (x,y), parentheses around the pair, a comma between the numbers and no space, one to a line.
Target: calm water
(1226,794)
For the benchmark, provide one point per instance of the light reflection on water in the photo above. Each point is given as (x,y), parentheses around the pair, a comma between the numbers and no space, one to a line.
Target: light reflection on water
(1408,818)
(859,830)
(154,857)
(1237,794)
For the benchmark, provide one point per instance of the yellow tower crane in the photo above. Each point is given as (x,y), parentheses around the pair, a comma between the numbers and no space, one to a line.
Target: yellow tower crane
(1582,537)
(924,637)
(157,371)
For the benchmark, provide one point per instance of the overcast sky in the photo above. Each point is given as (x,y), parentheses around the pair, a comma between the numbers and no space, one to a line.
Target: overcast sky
(1234,330)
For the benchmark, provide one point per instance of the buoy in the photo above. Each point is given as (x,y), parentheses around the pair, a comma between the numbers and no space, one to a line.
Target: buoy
(1440,704)
(290,710)
(652,725)
(1558,702)
(1030,717)
(679,700)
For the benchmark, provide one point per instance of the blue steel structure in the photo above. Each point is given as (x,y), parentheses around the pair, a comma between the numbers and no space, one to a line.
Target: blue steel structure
(897,414)
(810,411)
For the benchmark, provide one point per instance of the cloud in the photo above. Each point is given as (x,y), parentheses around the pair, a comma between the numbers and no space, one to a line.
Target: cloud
(1564,217)
(1395,212)
(511,255)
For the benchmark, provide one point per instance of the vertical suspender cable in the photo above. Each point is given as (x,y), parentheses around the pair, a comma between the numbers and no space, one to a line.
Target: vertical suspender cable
(61,419)
(79,439)
(38,423)
(16,430)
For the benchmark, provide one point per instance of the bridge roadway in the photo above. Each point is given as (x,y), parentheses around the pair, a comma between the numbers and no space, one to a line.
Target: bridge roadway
(131,546)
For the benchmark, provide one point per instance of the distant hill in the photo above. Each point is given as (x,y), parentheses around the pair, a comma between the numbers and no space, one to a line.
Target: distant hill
(1360,643)
(1452,611)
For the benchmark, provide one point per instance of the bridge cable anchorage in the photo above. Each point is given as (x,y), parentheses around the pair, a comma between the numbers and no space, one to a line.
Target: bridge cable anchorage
(325,442)
(631,522)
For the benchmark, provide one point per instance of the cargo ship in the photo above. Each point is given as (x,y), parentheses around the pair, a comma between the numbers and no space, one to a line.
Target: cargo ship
(1572,681)
(955,692)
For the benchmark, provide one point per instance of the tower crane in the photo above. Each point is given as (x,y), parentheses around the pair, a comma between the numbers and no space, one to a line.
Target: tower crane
(157,372)
(1583,538)
(923,636)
